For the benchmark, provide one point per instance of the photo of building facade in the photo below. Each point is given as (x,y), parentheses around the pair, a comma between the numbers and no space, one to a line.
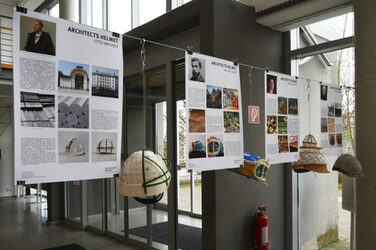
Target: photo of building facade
(73,76)
(105,82)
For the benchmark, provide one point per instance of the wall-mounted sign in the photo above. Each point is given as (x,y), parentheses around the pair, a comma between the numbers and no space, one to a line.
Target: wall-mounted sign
(254,114)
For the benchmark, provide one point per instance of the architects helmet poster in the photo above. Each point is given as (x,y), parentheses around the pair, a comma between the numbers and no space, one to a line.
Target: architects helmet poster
(67,100)
(331,119)
(281,118)
(214,127)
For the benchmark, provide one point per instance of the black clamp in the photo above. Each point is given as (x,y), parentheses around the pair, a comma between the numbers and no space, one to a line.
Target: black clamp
(21,9)
(190,50)
(296,77)
(116,175)
(236,61)
(21,183)
(115,34)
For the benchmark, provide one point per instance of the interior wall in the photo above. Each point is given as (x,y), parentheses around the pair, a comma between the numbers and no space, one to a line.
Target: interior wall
(236,35)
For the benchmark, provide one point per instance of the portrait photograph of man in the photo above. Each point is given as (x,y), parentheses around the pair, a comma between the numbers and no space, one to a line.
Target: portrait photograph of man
(271,84)
(38,36)
(324,92)
(197,70)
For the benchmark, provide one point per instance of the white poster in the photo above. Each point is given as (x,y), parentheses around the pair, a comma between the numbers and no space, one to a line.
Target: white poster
(67,100)
(214,113)
(331,119)
(281,118)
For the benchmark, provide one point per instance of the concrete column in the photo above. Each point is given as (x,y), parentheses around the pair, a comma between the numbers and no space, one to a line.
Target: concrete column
(365,114)
(68,9)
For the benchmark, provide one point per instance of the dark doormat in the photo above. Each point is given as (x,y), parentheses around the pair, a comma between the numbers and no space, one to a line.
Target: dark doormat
(188,237)
(67,247)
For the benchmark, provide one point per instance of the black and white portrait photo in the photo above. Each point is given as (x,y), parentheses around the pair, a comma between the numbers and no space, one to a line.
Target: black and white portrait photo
(197,70)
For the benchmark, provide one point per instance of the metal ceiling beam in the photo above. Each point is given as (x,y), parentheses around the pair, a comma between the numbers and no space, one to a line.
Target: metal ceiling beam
(323,48)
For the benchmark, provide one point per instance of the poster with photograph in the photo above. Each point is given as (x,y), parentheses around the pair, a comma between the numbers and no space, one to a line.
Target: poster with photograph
(331,119)
(67,100)
(281,118)
(214,113)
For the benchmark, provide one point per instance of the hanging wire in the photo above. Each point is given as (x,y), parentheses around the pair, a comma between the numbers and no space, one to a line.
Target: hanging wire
(153,42)
(309,103)
(250,77)
(143,56)
(190,49)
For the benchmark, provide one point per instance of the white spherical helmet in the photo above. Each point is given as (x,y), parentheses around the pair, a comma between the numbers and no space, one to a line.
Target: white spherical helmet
(144,174)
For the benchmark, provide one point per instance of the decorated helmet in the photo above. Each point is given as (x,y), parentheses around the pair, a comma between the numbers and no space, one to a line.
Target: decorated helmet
(197,145)
(348,165)
(144,175)
(254,167)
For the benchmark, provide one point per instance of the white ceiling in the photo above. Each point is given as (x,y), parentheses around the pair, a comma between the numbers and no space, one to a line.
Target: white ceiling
(262,4)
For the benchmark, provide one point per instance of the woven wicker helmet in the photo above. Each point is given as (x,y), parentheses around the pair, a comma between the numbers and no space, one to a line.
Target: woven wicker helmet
(144,175)
(74,147)
(348,165)
(311,158)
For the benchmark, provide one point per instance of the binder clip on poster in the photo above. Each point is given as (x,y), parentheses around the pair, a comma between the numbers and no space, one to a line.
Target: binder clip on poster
(145,176)
(254,167)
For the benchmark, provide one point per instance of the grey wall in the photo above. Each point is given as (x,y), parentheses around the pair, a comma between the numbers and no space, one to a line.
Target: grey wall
(234,34)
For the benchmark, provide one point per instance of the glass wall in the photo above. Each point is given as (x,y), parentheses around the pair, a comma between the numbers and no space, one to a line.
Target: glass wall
(95,196)
(317,226)
(189,183)
(73,200)
(120,13)
(327,30)
(121,16)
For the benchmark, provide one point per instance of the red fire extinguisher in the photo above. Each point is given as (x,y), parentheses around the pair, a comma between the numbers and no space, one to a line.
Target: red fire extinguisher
(261,229)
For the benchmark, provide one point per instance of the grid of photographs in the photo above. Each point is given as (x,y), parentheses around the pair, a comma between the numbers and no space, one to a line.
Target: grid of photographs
(331,119)
(282,114)
(213,112)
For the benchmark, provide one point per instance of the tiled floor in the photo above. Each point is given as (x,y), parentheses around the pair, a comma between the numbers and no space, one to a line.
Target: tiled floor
(23,226)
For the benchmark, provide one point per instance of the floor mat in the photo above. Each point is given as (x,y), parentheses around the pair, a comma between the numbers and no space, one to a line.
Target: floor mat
(188,237)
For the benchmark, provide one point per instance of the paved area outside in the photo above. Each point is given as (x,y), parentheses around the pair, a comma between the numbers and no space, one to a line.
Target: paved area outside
(344,228)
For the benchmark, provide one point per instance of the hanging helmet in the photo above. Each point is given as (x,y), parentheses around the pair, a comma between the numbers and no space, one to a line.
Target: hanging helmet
(311,158)
(348,165)
(75,148)
(105,146)
(254,167)
(144,175)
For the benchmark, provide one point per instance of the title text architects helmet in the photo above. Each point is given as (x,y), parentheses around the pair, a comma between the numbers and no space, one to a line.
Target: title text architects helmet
(144,174)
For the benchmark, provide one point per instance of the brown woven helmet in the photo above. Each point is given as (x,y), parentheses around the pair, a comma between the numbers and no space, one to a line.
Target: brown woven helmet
(311,158)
